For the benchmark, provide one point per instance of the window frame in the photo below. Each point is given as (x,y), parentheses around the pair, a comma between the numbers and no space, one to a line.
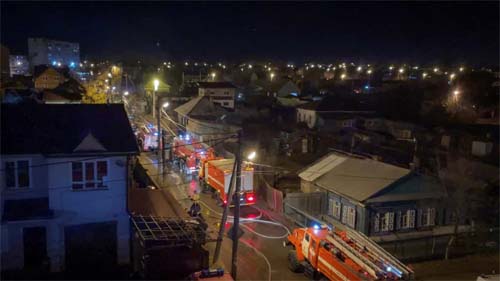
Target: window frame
(16,174)
(89,184)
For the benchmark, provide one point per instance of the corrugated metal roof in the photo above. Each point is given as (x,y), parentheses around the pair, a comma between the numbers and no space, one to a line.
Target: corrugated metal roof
(321,167)
(355,178)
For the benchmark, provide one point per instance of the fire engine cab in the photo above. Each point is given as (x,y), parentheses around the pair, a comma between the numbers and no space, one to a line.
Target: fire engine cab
(322,253)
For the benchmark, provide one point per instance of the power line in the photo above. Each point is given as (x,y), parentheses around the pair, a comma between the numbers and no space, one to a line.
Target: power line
(107,156)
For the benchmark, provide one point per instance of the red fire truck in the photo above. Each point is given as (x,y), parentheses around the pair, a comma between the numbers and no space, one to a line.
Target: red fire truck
(190,153)
(342,255)
(216,174)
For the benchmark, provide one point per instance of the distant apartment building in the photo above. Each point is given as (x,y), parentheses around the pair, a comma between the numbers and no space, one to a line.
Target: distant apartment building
(19,65)
(222,93)
(43,51)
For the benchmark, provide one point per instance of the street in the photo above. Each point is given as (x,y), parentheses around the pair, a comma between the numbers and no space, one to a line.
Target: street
(261,255)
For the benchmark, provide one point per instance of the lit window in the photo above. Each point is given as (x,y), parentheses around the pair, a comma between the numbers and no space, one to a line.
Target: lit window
(89,175)
(17,174)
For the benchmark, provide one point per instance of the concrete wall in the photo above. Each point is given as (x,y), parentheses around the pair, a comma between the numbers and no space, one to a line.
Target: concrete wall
(223,96)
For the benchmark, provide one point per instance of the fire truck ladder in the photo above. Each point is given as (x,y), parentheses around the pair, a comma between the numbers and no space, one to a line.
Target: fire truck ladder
(376,262)
(351,253)
(381,254)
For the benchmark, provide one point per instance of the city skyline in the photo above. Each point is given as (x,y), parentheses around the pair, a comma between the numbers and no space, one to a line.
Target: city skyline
(362,32)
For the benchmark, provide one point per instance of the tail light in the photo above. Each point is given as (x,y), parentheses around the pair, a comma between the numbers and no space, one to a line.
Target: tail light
(250,197)
(225,201)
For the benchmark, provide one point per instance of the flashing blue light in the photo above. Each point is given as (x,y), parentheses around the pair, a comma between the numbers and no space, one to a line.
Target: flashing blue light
(294,94)
(316,226)
(389,269)
(187,137)
(367,87)
(72,64)
(156,134)
(54,62)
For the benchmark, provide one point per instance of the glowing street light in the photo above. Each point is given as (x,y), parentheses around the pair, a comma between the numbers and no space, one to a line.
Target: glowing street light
(461,69)
(186,63)
(271,75)
(125,93)
(213,76)
(165,105)
(249,66)
(342,76)
(452,76)
(359,68)
(401,70)
(156,83)
(456,93)
(436,69)
(109,75)
(369,71)
(252,155)
(391,67)
(424,75)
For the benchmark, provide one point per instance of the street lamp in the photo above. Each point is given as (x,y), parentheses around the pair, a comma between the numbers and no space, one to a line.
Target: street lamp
(456,93)
(401,70)
(359,68)
(424,75)
(369,71)
(271,75)
(125,93)
(436,69)
(165,105)
(251,156)
(452,76)
(213,76)
(461,69)
(156,83)
(342,76)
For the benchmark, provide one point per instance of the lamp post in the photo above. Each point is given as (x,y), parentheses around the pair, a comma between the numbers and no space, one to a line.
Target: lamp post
(156,83)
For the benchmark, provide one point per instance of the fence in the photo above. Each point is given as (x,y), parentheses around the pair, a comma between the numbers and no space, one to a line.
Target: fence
(273,197)
(305,209)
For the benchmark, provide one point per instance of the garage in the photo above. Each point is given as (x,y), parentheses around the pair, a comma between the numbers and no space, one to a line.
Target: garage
(91,249)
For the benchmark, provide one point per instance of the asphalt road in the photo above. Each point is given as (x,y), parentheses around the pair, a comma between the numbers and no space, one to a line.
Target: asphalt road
(261,255)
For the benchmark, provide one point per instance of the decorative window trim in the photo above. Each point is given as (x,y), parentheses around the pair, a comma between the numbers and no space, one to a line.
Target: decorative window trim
(96,182)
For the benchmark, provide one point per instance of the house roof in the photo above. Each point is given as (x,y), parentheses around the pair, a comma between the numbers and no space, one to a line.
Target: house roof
(356,178)
(66,129)
(216,85)
(338,103)
(202,107)
(40,69)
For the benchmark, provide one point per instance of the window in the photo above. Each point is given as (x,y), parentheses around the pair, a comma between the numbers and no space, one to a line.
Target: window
(226,103)
(349,216)
(17,174)
(387,222)
(376,223)
(428,216)
(408,219)
(89,175)
(336,209)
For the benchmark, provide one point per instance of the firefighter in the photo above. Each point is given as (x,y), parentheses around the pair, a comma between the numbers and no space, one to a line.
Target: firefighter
(195,209)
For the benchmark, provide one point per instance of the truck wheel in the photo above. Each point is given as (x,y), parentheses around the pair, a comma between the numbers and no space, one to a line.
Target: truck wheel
(293,263)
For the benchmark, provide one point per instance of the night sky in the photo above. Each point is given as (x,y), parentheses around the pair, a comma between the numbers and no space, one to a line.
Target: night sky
(458,32)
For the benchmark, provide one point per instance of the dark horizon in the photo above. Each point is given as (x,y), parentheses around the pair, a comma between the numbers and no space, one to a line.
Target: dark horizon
(362,32)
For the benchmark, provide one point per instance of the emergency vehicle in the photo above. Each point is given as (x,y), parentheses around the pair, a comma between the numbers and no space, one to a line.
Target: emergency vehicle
(190,153)
(217,175)
(322,253)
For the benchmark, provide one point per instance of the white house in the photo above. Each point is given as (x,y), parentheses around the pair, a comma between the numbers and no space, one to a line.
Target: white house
(65,171)
(222,93)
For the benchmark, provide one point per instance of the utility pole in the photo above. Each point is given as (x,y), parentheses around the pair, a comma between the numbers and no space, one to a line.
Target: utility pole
(236,223)
(224,215)
(159,134)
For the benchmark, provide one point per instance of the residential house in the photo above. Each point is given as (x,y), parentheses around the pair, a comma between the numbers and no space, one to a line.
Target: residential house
(65,173)
(222,93)
(386,202)
(47,78)
(332,113)
(205,119)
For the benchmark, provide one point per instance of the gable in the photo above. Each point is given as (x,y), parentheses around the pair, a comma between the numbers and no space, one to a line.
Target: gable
(89,143)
